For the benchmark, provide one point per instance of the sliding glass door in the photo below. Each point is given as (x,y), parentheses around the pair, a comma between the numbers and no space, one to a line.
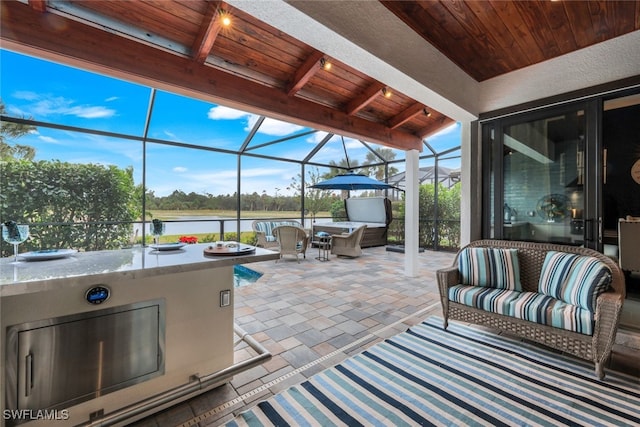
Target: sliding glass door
(542,176)
(566,175)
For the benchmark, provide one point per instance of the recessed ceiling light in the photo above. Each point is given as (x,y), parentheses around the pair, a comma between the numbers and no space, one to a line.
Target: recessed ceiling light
(226,19)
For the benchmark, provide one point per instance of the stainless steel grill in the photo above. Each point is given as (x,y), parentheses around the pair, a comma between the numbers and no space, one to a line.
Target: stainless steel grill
(56,363)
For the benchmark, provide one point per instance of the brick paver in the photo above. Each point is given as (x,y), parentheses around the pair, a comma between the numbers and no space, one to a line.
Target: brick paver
(302,312)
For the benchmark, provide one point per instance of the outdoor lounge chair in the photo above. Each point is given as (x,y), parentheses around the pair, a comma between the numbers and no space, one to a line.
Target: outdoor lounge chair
(264,231)
(348,244)
(292,240)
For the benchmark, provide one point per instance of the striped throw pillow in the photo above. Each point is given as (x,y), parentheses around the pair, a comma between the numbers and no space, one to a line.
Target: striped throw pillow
(574,279)
(490,267)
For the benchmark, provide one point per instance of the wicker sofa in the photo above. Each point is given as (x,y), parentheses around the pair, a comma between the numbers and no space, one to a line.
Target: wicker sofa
(551,322)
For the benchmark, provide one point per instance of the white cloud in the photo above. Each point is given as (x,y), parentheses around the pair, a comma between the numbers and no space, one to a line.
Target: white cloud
(15,111)
(90,112)
(224,181)
(316,137)
(112,98)
(47,139)
(26,95)
(260,172)
(170,135)
(180,169)
(273,127)
(336,139)
(353,143)
(43,105)
(445,131)
(268,127)
(225,113)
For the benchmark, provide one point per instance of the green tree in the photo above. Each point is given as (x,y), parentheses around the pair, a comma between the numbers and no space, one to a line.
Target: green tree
(82,206)
(337,168)
(338,211)
(448,206)
(449,215)
(9,130)
(378,172)
(315,199)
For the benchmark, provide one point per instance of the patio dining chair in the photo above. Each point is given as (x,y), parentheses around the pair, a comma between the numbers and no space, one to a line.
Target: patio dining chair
(348,244)
(292,240)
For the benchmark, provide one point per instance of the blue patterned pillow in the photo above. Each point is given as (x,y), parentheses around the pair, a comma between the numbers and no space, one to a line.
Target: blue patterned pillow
(574,279)
(490,267)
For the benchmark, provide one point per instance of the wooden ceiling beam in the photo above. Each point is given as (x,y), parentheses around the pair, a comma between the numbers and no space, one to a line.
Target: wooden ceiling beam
(305,72)
(38,5)
(209,29)
(365,98)
(91,48)
(406,115)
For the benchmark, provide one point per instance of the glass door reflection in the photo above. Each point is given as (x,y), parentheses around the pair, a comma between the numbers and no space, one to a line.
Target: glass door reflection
(543,179)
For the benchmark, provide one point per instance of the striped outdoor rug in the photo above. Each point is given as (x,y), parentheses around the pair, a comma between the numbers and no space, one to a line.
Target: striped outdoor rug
(426,376)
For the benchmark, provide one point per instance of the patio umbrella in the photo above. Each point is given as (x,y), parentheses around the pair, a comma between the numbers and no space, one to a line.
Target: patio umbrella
(352,181)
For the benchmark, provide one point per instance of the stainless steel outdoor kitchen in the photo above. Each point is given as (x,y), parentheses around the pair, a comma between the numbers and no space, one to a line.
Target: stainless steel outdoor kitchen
(107,337)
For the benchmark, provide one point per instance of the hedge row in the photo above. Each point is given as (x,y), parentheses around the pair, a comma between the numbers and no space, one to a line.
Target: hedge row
(69,205)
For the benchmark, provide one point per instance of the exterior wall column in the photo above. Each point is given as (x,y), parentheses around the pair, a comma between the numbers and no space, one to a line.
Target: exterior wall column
(412,213)
(471,181)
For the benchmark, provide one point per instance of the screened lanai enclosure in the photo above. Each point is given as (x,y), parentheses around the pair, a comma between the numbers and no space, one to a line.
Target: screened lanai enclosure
(89,161)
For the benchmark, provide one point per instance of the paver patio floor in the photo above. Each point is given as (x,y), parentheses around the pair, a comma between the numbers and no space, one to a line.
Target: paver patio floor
(312,315)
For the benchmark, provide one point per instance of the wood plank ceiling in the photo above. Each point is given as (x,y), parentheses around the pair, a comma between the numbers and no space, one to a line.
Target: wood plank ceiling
(490,38)
(183,45)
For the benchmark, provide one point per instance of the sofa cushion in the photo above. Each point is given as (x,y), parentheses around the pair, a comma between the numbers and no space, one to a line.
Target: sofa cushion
(264,226)
(546,310)
(531,306)
(488,299)
(574,279)
(267,227)
(490,267)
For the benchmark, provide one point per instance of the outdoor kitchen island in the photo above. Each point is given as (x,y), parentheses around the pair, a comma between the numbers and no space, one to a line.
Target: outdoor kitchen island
(106,337)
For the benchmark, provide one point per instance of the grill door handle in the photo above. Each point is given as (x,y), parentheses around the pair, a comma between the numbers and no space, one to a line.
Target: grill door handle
(28,374)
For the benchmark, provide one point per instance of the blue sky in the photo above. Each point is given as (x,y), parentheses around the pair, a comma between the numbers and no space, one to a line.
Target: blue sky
(53,93)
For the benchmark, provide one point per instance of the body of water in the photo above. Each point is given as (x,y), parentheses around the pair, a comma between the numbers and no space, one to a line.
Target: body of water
(197,225)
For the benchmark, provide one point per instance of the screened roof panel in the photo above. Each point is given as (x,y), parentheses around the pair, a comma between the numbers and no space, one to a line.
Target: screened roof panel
(390,154)
(181,119)
(49,92)
(295,146)
(77,147)
(172,168)
(271,131)
(347,153)
(178,119)
(446,139)
(268,177)
(83,148)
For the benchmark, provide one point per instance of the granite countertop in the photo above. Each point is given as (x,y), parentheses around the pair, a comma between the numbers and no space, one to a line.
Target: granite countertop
(92,267)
